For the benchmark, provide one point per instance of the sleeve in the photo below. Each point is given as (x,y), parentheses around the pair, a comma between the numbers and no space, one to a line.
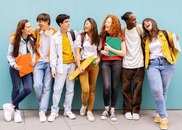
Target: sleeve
(53,55)
(77,42)
(33,31)
(10,58)
(123,38)
(140,29)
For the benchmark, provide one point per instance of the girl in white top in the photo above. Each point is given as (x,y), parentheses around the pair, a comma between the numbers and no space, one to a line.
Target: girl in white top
(23,44)
(87,44)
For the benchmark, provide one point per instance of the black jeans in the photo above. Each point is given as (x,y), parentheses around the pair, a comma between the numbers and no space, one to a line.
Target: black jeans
(111,72)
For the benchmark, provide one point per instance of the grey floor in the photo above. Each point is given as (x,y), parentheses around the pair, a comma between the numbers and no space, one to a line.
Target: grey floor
(31,122)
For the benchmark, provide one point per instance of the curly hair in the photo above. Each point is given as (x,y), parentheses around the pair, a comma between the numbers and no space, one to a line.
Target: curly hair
(115,29)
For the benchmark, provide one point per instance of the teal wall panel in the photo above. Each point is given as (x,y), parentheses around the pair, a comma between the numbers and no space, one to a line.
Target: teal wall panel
(167,13)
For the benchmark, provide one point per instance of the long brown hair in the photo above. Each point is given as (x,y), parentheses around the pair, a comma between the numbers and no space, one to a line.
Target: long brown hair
(95,38)
(115,29)
(154,32)
(18,35)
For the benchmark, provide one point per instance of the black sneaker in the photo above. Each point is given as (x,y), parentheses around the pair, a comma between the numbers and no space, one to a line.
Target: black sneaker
(113,116)
(104,115)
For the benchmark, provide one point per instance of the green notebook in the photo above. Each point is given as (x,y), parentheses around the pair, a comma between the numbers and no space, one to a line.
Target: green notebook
(115,43)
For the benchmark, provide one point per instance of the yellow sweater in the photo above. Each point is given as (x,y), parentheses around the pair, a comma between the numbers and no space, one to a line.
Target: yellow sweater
(171,54)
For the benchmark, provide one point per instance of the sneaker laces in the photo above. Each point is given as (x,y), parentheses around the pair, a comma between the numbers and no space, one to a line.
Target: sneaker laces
(164,121)
(113,115)
(90,114)
(105,113)
(42,115)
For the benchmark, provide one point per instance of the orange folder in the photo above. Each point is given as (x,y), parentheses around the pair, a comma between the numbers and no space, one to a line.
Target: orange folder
(24,61)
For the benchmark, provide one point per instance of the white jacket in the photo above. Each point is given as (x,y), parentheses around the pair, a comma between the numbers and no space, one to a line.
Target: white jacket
(56,57)
(22,51)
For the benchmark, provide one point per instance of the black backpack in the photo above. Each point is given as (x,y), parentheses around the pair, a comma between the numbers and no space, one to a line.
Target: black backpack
(72,34)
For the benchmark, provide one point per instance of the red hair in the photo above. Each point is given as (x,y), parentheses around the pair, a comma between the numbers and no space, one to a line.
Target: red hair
(115,29)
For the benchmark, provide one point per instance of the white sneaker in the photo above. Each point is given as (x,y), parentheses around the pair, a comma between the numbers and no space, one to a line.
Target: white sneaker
(83,110)
(17,116)
(8,111)
(113,116)
(42,117)
(128,116)
(136,116)
(52,117)
(90,116)
(70,115)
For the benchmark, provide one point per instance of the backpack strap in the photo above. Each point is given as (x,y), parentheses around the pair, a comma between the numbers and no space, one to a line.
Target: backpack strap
(72,35)
(139,31)
(166,36)
(137,28)
(123,30)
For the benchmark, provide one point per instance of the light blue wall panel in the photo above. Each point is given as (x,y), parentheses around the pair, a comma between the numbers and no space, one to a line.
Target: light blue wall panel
(167,13)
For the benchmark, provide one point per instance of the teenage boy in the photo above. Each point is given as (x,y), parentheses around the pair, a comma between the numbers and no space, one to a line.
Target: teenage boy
(42,72)
(62,59)
(133,67)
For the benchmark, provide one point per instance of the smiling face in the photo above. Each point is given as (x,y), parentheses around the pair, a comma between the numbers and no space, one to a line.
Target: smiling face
(65,25)
(43,24)
(27,29)
(131,22)
(148,25)
(87,26)
(108,24)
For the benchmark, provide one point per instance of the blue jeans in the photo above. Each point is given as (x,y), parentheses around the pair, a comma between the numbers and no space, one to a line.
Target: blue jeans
(160,73)
(58,87)
(17,96)
(111,75)
(42,83)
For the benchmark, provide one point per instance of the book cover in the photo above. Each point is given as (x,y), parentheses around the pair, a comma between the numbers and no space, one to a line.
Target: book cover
(114,42)
(24,61)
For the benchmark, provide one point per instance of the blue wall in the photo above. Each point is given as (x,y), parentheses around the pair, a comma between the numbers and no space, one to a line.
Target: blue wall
(167,14)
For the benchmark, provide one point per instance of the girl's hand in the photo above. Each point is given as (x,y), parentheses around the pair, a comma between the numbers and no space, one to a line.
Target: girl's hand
(32,63)
(107,47)
(104,52)
(12,39)
(97,60)
(81,70)
(17,67)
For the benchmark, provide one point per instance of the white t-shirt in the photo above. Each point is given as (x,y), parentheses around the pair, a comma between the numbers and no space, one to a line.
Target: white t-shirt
(45,41)
(155,49)
(134,54)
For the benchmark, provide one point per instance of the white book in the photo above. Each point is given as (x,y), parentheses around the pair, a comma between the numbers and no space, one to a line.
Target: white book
(176,42)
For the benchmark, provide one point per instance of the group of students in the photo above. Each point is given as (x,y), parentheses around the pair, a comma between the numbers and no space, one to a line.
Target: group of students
(56,54)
